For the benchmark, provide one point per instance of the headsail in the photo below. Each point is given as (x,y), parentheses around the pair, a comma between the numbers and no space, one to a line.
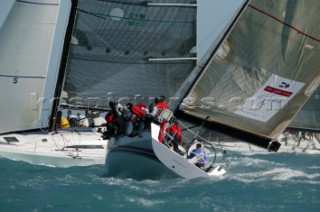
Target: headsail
(130,47)
(262,74)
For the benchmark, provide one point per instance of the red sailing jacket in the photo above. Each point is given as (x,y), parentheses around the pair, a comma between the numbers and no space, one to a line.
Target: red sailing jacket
(175,129)
(162,105)
(138,111)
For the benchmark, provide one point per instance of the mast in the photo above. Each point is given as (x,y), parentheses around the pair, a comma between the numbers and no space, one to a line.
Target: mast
(62,69)
(201,66)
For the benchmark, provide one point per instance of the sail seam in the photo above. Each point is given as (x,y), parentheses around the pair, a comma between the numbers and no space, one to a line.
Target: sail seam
(284,23)
(16,76)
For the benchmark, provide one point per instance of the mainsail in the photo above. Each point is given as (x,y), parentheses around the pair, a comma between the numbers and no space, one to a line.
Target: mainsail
(121,49)
(261,74)
(29,62)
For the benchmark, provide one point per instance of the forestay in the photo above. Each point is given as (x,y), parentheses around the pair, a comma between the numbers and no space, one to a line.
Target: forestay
(262,73)
(128,48)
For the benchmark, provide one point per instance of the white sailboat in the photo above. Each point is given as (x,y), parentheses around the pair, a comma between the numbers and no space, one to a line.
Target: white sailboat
(99,66)
(32,38)
(157,66)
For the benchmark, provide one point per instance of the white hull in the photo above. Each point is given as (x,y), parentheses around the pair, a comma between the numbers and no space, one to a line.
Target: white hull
(63,149)
(179,164)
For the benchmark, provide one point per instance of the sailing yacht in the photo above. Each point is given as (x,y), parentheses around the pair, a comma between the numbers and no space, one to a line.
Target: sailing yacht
(125,51)
(251,84)
(137,151)
(32,38)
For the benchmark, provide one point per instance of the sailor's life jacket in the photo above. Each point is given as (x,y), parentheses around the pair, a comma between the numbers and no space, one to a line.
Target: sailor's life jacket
(139,110)
(64,123)
(111,118)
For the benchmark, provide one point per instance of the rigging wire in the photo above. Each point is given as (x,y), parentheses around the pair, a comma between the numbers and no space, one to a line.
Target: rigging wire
(284,23)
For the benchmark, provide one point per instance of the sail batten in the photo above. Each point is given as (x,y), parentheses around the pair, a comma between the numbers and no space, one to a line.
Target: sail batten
(172,59)
(172,5)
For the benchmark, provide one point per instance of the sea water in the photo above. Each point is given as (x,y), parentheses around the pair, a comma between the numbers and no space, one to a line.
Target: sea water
(271,182)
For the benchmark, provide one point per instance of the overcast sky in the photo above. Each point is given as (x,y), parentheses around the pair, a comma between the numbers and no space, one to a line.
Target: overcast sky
(213,16)
(5,7)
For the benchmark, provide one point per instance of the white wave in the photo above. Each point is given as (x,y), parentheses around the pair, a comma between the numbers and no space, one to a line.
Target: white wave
(147,187)
(98,197)
(252,162)
(144,202)
(314,167)
(277,174)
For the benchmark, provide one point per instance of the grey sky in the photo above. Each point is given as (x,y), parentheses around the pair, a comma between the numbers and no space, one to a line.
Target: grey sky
(213,16)
(5,7)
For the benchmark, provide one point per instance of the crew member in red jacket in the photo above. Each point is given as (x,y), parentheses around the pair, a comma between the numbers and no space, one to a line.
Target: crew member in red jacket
(161,104)
(174,130)
(139,110)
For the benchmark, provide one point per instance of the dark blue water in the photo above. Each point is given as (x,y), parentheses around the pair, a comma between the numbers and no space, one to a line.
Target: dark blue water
(275,182)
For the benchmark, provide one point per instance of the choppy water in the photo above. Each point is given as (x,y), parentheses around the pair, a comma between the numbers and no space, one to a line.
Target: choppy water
(276,182)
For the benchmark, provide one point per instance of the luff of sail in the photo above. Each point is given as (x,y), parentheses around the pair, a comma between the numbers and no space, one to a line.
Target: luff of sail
(262,74)
(124,49)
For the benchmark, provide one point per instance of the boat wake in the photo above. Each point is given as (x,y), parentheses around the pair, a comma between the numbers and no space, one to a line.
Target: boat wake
(250,170)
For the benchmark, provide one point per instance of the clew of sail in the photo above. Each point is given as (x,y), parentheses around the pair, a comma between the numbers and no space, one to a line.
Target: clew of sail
(261,74)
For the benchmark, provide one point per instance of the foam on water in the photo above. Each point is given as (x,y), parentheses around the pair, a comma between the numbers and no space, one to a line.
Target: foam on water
(253,183)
